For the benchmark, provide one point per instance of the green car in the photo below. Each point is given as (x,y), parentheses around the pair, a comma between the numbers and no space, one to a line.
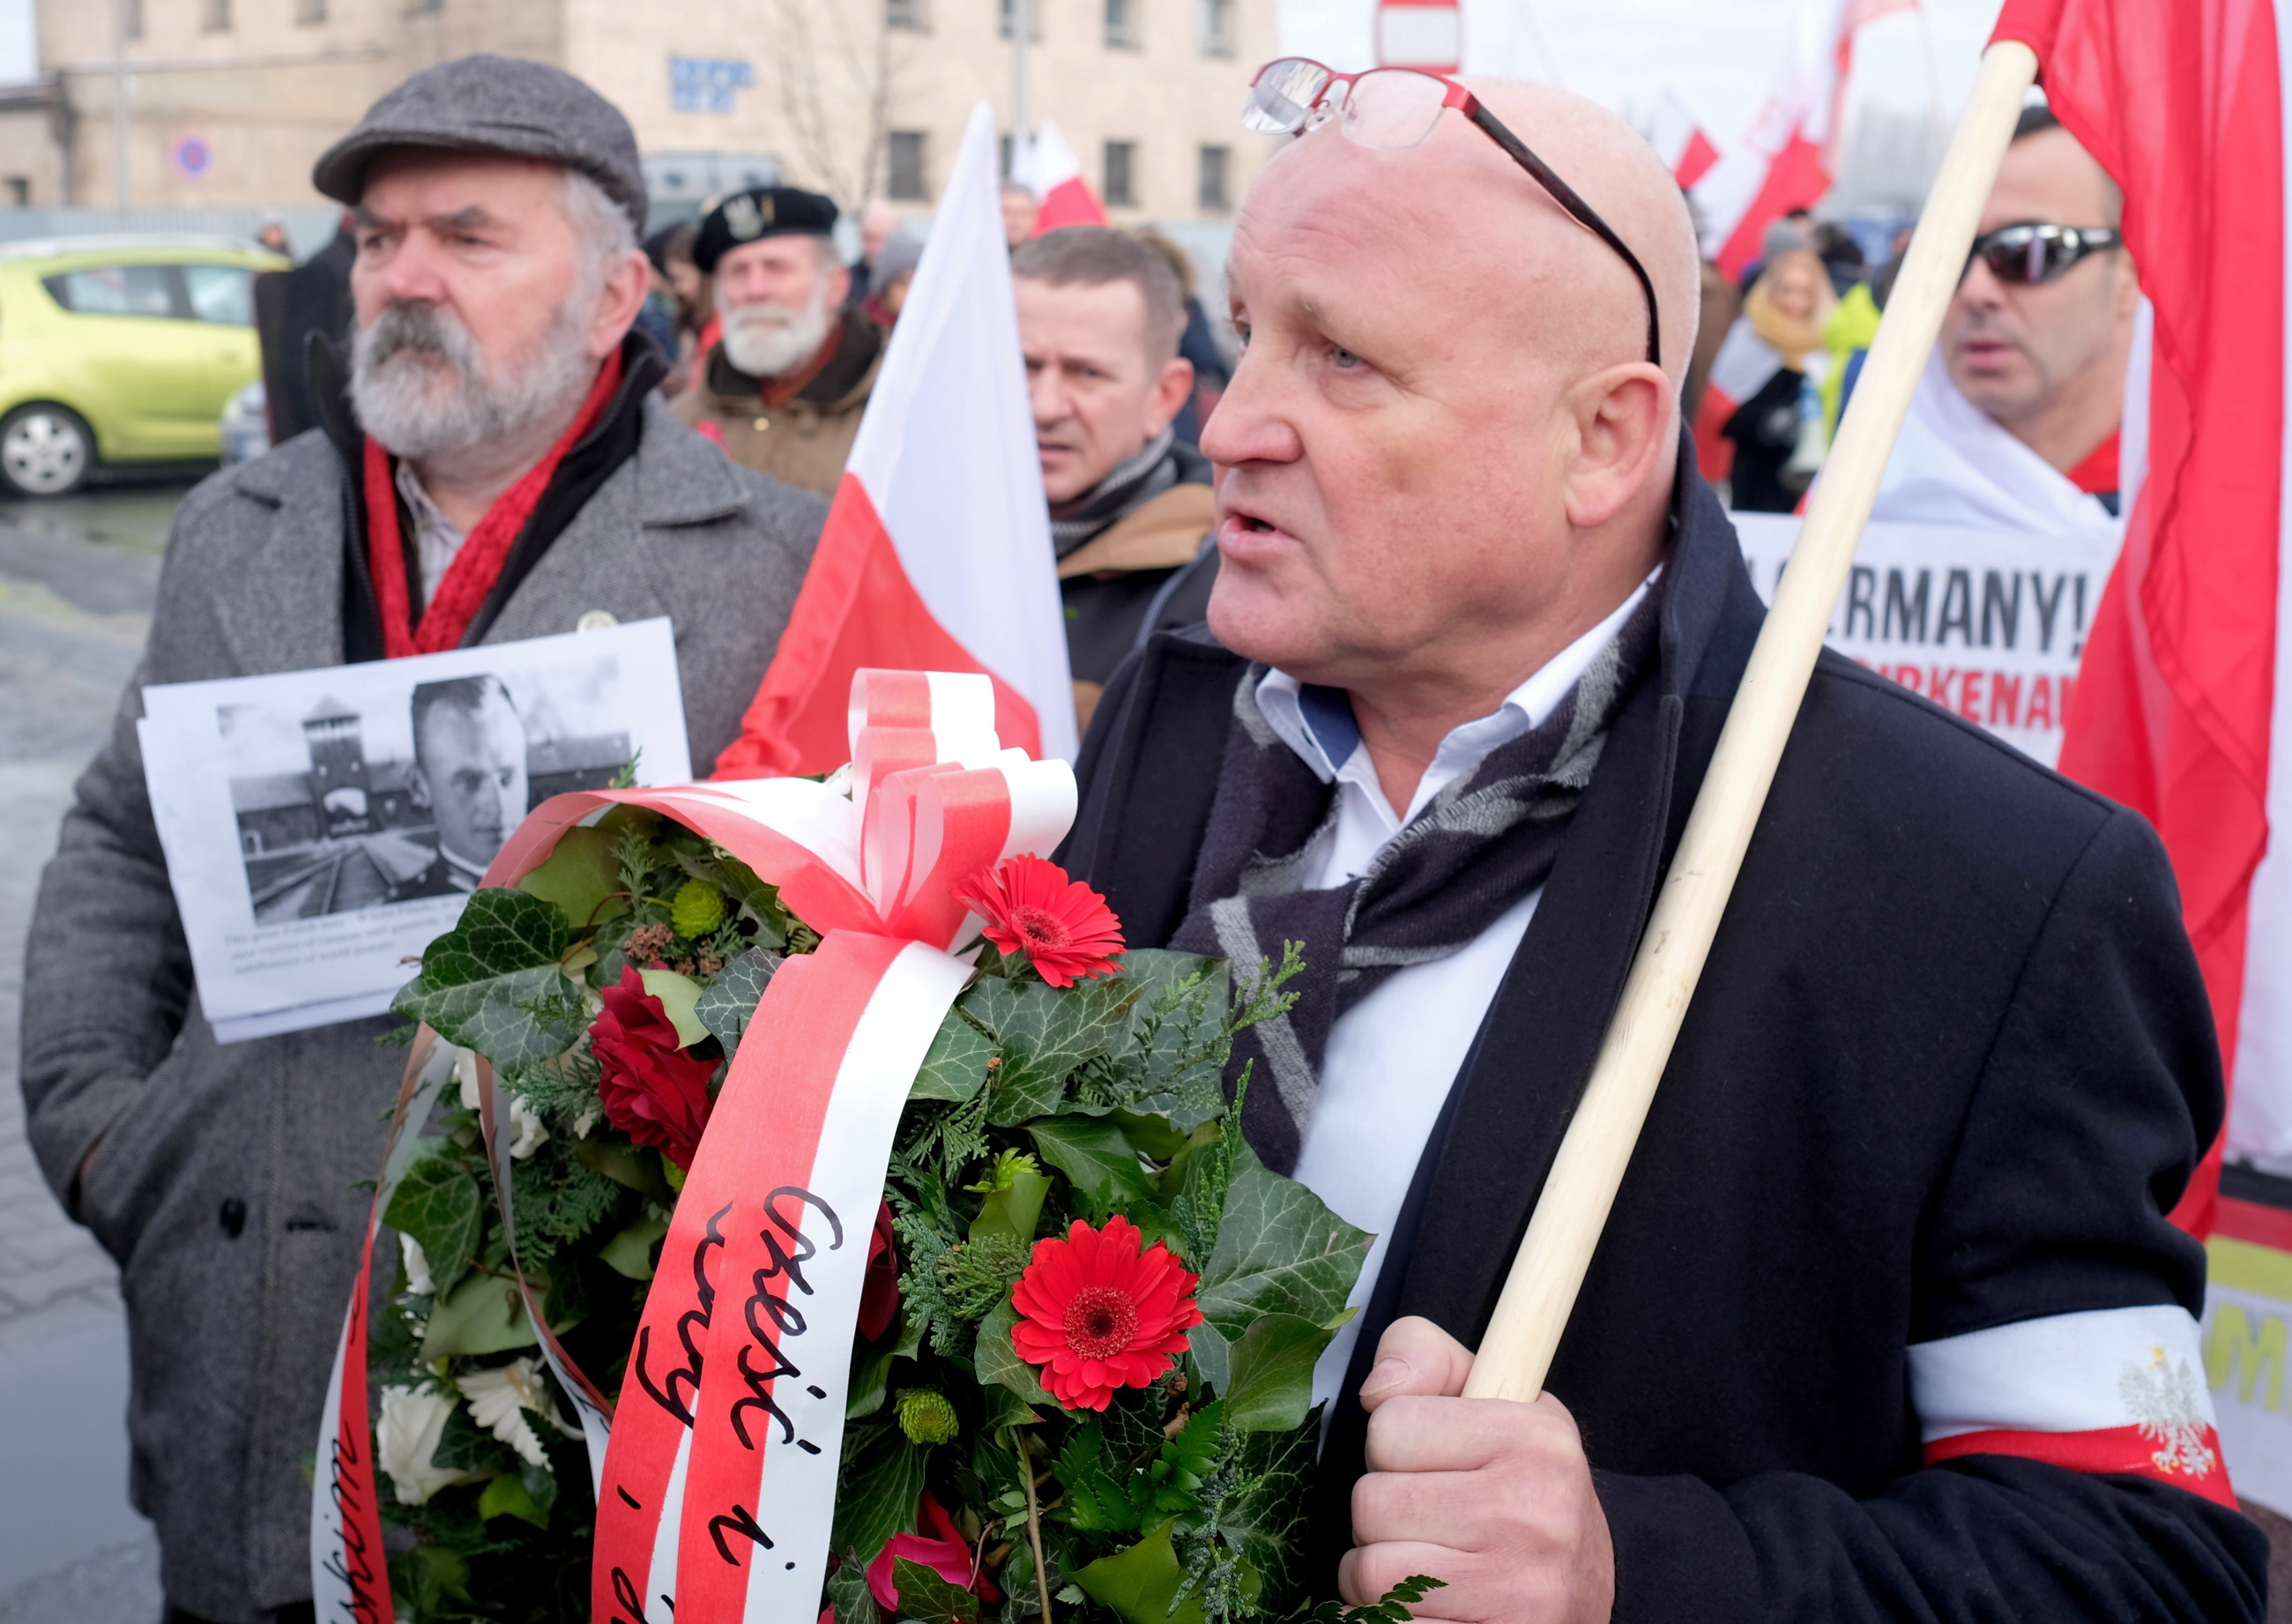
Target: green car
(120,349)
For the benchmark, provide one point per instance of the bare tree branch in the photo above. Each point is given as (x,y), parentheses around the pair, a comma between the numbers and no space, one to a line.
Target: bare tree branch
(855,55)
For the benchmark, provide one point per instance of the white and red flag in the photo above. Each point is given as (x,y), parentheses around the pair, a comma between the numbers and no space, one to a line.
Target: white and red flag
(936,552)
(1787,159)
(2175,714)
(1679,141)
(1428,35)
(1053,174)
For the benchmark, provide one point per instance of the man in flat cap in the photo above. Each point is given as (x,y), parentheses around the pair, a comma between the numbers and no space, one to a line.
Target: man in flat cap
(494,463)
(1887,1321)
(784,387)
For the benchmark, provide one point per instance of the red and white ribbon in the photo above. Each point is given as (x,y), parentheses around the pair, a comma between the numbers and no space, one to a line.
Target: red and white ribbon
(716,1489)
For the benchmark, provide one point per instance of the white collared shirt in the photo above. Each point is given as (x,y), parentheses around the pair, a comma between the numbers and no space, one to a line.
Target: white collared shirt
(1394,1056)
(437,539)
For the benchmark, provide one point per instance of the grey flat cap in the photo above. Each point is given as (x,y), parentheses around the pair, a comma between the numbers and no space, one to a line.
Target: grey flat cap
(494,104)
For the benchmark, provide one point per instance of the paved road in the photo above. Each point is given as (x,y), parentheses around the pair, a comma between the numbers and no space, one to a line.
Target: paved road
(78,578)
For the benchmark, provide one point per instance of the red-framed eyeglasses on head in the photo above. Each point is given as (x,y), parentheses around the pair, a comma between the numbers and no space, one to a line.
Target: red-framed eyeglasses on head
(1394,109)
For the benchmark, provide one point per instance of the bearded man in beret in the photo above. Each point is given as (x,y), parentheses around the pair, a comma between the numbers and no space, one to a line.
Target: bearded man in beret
(783,388)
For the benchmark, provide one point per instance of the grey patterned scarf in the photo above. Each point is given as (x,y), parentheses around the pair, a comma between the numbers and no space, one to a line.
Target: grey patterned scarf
(1128,486)
(1481,845)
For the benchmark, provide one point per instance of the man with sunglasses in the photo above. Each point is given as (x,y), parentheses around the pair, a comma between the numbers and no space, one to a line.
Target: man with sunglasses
(2015,424)
(1887,1321)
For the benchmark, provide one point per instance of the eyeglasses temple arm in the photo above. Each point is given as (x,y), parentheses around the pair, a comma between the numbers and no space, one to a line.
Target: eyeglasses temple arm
(1565,195)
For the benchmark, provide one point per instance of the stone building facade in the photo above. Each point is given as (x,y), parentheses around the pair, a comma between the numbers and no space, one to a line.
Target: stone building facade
(229,101)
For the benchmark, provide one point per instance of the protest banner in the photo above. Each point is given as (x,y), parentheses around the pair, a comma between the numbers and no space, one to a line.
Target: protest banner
(317,838)
(2247,1321)
(1991,624)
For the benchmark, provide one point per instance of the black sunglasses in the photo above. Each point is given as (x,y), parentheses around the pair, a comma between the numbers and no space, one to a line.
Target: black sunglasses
(2031,253)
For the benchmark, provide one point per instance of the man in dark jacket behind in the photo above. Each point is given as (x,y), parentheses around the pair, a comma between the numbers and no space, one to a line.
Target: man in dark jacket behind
(1100,318)
(497,275)
(1887,1321)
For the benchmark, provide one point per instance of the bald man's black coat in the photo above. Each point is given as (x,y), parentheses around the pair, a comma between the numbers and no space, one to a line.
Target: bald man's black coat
(1949,1064)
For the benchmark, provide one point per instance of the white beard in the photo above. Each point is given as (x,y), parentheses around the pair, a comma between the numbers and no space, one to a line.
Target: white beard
(420,385)
(766,340)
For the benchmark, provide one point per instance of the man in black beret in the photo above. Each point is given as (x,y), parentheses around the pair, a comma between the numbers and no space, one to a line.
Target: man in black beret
(783,388)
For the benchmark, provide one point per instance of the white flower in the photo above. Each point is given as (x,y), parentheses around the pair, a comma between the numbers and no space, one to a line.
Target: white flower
(839,782)
(527,1134)
(530,1134)
(416,1264)
(412,1422)
(499,1399)
(591,1115)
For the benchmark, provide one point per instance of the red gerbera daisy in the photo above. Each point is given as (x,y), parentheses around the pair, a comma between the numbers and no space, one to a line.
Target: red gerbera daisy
(1065,928)
(1096,1313)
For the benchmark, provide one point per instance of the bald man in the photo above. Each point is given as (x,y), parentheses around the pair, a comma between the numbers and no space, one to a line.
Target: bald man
(1888,1323)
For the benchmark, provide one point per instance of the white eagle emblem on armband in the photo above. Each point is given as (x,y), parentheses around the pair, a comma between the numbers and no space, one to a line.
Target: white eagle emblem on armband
(2168,1407)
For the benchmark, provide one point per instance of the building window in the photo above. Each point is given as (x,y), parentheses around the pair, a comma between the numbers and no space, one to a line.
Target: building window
(1004,8)
(131,19)
(904,162)
(1121,181)
(20,191)
(1003,156)
(1217,27)
(309,12)
(1212,189)
(912,15)
(1122,31)
(215,16)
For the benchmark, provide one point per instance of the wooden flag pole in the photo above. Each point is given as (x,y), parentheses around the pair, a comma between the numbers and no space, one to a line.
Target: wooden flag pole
(1549,1269)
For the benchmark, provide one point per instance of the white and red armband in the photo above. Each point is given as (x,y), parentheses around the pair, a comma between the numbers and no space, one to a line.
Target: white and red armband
(2117,1390)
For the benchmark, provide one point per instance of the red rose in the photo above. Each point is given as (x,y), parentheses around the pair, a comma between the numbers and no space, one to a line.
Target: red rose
(879,1290)
(651,1089)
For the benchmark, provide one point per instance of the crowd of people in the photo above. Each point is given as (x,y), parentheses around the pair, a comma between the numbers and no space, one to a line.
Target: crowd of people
(1349,657)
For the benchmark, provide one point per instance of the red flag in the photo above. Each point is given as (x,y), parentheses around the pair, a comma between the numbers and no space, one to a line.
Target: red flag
(1679,141)
(2180,103)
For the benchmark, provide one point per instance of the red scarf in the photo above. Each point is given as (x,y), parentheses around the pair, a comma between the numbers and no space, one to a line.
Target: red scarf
(479,564)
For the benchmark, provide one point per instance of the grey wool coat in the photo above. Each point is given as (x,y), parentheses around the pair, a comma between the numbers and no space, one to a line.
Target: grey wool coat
(220,1176)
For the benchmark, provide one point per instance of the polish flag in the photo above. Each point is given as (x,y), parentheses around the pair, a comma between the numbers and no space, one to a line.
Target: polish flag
(1423,34)
(1680,140)
(937,552)
(2175,714)
(1054,175)
(1787,157)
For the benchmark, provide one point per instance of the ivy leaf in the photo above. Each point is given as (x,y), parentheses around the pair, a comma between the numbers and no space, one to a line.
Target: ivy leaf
(1279,1250)
(1265,1523)
(881,1484)
(1270,1384)
(580,878)
(507,1497)
(1044,1036)
(956,1064)
(485,1314)
(1141,1582)
(1093,1154)
(729,1001)
(492,983)
(998,1362)
(847,1593)
(500,931)
(871,1384)
(464,1446)
(926,1598)
(439,1204)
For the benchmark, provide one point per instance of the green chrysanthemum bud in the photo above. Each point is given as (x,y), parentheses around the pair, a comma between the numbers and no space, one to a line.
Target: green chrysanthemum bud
(699,910)
(926,1417)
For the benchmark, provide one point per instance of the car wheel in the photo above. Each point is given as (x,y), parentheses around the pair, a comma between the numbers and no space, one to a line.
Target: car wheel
(44,450)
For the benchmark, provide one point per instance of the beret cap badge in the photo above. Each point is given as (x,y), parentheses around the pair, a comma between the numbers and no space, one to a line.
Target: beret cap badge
(742,217)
